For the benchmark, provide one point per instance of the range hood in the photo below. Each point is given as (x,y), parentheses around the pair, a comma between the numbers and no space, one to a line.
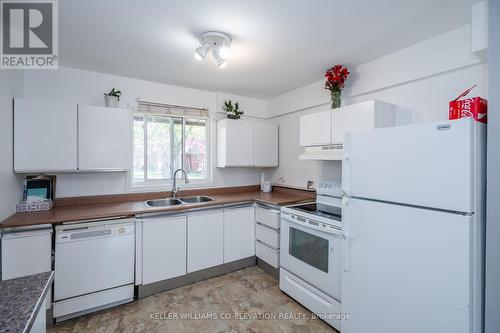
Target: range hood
(332,152)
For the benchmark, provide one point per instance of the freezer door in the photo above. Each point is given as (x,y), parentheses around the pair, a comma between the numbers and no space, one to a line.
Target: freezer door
(407,270)
(429,165)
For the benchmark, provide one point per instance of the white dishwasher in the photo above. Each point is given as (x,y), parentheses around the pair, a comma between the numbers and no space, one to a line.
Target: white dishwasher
(94,266)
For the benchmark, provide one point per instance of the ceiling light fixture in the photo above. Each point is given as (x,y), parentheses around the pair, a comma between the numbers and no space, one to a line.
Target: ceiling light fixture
(220,45)
(201,52)
(219,60)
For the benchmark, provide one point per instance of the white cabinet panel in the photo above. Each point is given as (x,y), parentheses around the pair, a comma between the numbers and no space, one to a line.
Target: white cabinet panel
(351,118)
(267,236)
(268,216)
(163,248)
(26,252)
(205,240)
(234,143)
(266,253)
(247,143)
(360,117)
(45,136)
(479,29)
(265,146)
(104,138)
(315,128)
(40,323)
(239,233)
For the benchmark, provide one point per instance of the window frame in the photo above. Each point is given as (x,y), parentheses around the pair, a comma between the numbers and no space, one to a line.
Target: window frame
(161,184)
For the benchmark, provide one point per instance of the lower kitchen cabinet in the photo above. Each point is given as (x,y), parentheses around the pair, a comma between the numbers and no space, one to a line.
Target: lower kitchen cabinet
(26,251)
(239,233)
(205,240)
(267,234)
(163,248)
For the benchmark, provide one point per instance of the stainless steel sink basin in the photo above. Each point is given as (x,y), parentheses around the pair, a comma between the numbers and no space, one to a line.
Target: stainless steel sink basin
(196,199)
(163,202)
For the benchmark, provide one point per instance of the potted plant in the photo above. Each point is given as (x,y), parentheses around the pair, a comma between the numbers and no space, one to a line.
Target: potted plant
(232,110)
(335,81)
(111,99)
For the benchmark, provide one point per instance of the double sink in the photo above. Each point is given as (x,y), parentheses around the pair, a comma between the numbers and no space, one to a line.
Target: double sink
(181,201)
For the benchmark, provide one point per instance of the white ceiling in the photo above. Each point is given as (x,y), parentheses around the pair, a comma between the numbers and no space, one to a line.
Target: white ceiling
(278,45)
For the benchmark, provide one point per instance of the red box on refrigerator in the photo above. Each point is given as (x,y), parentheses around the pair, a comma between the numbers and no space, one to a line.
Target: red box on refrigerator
(475,107)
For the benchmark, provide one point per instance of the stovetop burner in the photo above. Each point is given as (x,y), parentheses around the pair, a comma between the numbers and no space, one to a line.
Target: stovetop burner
(329,212)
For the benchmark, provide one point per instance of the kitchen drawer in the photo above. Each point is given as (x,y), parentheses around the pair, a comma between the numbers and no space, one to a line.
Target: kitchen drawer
(267,216)
(267,254)
(267,236)
(313,299)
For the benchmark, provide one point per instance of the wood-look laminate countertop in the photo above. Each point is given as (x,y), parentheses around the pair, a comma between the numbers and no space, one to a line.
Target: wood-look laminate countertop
(102,207)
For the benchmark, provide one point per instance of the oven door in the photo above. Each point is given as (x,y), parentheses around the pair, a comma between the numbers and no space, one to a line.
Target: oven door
(312,252)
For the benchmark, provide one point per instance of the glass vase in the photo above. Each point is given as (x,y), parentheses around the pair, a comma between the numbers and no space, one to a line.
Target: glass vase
(335,97)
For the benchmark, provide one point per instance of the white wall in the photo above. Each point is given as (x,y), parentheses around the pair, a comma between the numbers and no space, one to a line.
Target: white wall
(86,87)
(420,80)
(11,85)
(250,106)
(492,292)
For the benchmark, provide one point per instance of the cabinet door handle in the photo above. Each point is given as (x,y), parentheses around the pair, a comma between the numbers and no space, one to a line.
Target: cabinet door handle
(269,247)
(269,209)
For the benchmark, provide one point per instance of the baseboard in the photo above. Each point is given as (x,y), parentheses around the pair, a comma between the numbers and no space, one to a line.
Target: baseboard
(161,286)
(274,272)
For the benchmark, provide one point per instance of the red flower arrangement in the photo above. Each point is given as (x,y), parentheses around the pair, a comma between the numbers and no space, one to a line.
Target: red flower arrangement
(336,77)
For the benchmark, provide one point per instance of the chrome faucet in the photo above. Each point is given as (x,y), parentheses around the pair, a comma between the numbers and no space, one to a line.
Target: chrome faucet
(175,188)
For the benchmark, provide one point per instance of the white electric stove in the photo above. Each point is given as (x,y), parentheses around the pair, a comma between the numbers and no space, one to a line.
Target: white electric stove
(311,252)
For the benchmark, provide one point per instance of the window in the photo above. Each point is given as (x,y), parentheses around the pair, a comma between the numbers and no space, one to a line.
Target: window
(167,139)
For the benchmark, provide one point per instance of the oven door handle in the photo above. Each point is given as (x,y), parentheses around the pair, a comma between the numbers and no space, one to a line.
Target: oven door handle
(303,222)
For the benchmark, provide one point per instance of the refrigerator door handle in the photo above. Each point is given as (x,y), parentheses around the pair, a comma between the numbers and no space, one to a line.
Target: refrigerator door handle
(346,172)
(346,243)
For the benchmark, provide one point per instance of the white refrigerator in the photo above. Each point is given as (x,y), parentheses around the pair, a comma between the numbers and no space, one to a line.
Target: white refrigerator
(413,218)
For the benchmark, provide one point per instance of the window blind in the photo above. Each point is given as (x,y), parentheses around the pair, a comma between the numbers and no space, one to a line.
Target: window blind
(171,110)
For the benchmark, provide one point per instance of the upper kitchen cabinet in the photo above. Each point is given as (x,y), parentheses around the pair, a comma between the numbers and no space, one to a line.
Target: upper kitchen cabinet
(246,143)
(322,133)
(265,144)
(104,136)
(315,129)
(60,137)
(45,136)
(360,117)
(234,143)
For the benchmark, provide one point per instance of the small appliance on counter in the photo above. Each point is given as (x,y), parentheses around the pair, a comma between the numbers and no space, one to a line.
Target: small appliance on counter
(265,185)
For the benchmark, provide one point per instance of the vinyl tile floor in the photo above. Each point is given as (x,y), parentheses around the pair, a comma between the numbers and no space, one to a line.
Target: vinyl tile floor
(248,300)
